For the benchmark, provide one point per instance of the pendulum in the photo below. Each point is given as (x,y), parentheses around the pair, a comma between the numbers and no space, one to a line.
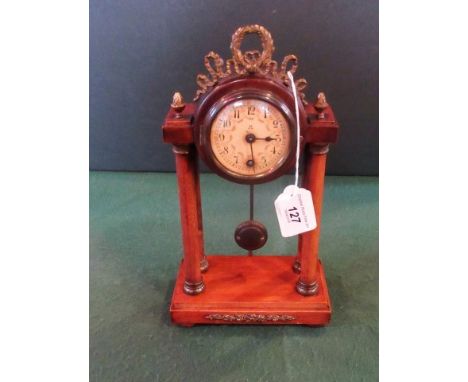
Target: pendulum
(251,234)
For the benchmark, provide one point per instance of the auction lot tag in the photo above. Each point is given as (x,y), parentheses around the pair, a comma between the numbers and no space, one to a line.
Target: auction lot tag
(295,211)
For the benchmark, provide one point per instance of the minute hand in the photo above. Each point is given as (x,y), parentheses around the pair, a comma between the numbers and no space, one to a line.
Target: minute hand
(267,139)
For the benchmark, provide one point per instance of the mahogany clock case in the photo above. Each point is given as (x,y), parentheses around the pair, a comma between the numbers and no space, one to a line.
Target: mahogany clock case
(241,289)
(230,90)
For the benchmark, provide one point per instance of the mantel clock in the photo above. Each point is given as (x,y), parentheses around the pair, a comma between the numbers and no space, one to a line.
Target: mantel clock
(243,125)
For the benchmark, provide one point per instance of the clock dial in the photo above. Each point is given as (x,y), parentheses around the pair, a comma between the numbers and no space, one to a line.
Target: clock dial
(250,137)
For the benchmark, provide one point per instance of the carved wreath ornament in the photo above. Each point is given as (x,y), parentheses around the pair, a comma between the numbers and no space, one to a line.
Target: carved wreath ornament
(250,317)
(252,61)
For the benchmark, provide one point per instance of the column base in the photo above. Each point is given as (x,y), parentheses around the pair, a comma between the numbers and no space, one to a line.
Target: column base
(204,264)
(297,266)
(193,288)
(307,289)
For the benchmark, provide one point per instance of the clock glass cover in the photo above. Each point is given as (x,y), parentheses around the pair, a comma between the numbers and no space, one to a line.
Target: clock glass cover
(250,137)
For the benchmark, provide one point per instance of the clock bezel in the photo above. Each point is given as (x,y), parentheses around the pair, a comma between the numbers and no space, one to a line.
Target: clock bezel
(264,89)
(249,94)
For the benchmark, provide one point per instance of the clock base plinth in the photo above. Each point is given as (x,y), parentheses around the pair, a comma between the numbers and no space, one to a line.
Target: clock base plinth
(250,290)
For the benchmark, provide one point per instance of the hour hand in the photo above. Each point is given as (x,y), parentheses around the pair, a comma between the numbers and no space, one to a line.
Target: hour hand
(251,162)
(268,139)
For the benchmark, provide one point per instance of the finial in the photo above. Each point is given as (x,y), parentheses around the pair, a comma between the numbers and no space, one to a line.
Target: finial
(321,104)
(178,104)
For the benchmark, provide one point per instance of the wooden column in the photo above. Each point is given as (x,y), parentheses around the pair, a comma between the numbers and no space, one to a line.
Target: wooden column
(304,184)
(189,199)
(307,260)
(204,259)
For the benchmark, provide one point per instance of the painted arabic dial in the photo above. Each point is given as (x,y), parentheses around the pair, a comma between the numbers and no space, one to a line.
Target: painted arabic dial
(250,137)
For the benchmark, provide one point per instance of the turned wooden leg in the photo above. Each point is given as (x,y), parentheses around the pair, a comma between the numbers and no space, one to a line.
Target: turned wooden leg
(204,259)
(187,173)
(297,260)
(304,184)
(314,177)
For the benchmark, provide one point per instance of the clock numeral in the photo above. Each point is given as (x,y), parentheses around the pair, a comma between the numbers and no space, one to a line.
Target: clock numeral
(251,110)
(221,137)
(226,122)
(236,158)
(265,113)
(226,149)
(274,150)
(236,113)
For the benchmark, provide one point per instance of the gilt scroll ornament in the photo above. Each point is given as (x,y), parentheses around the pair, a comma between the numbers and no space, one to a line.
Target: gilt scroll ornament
(252,61)
(250,317)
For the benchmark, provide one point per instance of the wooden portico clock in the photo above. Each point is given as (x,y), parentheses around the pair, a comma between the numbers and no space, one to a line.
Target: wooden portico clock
(243,125)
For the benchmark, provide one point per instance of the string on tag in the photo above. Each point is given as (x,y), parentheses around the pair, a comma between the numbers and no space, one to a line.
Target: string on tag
(298,129)
(294,206)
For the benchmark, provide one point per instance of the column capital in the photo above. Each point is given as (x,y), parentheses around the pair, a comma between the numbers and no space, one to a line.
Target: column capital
(318,149)
(181,149)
